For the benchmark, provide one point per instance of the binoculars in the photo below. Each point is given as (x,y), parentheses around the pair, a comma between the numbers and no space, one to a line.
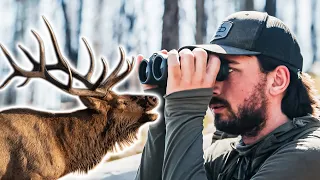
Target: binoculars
(155,71)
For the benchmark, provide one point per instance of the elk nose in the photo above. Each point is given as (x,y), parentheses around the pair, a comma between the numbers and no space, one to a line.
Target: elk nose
(151,100)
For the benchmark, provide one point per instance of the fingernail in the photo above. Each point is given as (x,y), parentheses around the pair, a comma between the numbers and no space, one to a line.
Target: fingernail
(139,57)
(173,57)
(173,52)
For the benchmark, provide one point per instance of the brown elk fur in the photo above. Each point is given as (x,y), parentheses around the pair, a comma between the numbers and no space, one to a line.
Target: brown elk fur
(47,145)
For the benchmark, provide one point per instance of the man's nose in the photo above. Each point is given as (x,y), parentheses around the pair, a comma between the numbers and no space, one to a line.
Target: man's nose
(217,88)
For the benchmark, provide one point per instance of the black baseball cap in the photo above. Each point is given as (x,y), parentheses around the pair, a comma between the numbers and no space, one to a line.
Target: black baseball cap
(255,33)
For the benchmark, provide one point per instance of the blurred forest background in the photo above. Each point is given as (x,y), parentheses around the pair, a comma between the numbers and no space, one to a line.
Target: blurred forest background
(140,26)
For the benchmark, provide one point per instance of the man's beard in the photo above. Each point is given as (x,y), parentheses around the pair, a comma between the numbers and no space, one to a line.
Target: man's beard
(251,116)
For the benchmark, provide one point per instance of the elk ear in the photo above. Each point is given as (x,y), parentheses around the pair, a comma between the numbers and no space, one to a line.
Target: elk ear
(94,103)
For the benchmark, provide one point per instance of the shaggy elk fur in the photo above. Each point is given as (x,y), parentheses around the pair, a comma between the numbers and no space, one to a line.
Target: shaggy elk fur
(47,145)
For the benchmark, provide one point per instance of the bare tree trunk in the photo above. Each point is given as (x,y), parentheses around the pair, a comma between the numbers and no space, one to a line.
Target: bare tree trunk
(97,43)
(170,28)
(18,35)
(313,30)
(20,24)
(67,29)
(33,19)
(296,12)
(79,25)
(201,23)
(130,16)
(247,5)
(72,53)
(271,7)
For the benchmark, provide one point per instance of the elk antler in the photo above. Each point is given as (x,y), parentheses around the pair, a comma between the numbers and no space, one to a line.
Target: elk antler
(114,77)
(40,70)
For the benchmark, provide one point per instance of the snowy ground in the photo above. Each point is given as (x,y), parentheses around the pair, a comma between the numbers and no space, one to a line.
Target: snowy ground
(123,169)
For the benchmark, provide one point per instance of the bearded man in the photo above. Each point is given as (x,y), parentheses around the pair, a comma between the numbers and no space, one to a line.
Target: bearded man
(265,99)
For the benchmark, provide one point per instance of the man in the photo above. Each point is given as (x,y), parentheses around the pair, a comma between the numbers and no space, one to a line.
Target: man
(266,99)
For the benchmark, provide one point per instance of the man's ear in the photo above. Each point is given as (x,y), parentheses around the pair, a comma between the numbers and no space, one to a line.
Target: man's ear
(95,103)
(281,80)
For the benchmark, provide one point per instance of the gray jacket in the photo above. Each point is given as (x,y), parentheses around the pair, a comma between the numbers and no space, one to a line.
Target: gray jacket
(174,147)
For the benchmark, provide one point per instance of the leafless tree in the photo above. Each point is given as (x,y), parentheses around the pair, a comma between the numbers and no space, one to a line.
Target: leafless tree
(72,53)
(313,30)
(170,27)
(271,7)
(201,22)
(247,5)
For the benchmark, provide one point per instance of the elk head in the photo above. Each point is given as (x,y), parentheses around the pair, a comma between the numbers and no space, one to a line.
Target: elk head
(126,113)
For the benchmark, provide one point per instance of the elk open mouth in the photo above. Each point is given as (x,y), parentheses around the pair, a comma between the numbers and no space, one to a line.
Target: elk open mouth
(148,117)
(153,114)
(150,110)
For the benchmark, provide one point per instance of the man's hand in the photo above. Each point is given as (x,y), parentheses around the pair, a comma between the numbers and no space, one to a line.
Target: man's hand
(192,71)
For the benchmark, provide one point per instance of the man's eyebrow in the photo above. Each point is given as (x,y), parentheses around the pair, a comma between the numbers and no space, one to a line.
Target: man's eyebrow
(230,61)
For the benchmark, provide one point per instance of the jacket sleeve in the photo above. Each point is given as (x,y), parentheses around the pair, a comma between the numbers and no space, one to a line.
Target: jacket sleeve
(153,152)
(184,114)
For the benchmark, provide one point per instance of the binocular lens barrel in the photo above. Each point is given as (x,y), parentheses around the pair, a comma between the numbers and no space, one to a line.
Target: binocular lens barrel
(159,68)
(155,71)
(145,72)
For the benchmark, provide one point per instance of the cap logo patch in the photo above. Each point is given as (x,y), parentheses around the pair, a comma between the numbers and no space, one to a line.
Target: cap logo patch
(223,30)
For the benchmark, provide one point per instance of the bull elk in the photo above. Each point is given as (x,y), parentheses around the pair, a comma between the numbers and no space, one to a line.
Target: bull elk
(47,145)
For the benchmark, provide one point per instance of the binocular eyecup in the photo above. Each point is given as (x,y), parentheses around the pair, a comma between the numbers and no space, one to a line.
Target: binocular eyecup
(155,71)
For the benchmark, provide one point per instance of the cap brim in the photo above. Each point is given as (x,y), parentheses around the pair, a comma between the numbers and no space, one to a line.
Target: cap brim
(221,49)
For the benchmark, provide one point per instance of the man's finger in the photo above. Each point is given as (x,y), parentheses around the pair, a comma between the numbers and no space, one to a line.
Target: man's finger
(174,71)
(164,51)
(139,58)
(200,64)
(213,68)
(187,65)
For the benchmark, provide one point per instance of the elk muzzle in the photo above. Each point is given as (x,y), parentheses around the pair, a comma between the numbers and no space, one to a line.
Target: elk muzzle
(146,102)
(151,102)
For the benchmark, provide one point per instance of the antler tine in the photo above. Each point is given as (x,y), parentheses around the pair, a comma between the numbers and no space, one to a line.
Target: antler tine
(42,52)
(90,72)
(61,65)
(45,75)
(40,69)
(124,74)
(55,42)
(42,73)
(17,69)
(32,60)
(103,74)
(109,81)
(26,52)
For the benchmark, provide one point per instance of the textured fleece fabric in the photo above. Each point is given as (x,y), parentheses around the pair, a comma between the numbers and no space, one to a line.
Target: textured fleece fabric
(174,147)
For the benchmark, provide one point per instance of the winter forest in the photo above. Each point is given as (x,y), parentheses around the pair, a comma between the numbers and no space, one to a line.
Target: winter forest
(140,26)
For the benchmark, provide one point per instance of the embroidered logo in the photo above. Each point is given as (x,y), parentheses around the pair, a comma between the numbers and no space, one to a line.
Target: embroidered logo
(223,30)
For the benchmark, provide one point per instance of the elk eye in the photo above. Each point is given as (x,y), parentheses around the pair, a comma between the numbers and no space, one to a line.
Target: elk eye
(133,98)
